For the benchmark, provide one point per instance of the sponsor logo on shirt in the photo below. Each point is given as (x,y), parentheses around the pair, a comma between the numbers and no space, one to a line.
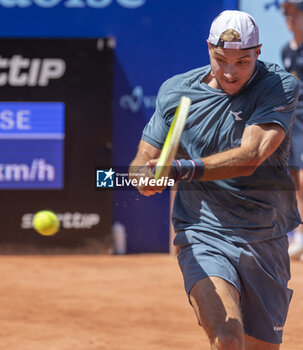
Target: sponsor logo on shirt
(286,108)
(236,115)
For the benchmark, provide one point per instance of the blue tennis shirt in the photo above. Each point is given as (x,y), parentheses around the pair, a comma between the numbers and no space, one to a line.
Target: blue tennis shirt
(242,209)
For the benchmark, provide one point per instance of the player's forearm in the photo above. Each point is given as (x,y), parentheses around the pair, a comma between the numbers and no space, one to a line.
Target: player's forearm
(145,153)
(232,163)
(258,143)
(139,161)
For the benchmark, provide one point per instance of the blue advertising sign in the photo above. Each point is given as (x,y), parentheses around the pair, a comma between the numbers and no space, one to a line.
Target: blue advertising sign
(31,145)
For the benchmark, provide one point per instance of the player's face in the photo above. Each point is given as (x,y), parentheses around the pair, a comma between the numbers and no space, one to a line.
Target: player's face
(294,18)
(232,68)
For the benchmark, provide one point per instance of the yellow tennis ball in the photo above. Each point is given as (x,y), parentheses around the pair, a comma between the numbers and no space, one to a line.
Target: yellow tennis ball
(46,223)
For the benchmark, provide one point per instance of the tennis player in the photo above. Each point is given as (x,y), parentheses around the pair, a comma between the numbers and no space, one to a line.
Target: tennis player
(235,201)
(292,55)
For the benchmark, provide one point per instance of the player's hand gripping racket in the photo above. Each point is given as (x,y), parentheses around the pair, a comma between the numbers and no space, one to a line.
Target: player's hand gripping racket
(172,140)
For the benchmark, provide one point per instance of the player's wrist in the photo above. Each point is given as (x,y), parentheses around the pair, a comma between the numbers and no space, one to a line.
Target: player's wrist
(187,169)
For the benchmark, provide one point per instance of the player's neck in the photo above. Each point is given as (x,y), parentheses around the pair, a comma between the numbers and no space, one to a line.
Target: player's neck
(211,81)
(297,40)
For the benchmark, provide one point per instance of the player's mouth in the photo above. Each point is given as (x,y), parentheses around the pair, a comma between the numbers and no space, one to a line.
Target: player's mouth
(231,82)
(231,86)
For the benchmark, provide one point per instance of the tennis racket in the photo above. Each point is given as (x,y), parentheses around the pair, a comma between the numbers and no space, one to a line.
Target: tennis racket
(172,140)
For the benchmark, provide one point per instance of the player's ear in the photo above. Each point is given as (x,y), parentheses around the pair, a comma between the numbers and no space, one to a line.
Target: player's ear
(258,51)
(209,45)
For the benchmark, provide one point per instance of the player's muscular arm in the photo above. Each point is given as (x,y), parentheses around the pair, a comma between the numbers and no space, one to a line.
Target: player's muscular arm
(258,143)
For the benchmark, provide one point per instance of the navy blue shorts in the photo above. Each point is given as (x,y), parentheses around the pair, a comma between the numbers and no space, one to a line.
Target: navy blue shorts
(260,272)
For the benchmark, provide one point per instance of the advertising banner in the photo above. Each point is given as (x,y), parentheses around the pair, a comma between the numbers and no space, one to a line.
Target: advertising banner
(31,145)
(55,126)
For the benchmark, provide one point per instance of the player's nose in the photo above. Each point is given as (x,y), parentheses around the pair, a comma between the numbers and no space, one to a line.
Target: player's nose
(230,72)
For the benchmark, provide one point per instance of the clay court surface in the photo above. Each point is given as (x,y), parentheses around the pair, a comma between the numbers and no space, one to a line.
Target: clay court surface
(96,302)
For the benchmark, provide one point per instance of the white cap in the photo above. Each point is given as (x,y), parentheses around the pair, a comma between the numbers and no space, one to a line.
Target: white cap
(241,22)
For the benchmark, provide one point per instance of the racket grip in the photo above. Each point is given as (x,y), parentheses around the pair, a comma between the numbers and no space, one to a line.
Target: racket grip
(152,169)
(187,169)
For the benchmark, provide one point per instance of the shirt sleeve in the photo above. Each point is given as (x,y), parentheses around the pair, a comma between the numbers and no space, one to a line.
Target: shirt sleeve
(157,128)
(277,103)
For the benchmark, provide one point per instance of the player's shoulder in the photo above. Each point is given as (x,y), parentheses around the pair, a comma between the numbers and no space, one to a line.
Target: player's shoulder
(179,85)
(274,86)
(275,77)
(182,81)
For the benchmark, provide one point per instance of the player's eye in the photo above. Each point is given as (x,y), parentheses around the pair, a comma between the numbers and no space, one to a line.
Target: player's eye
(219,59)
(243,63)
